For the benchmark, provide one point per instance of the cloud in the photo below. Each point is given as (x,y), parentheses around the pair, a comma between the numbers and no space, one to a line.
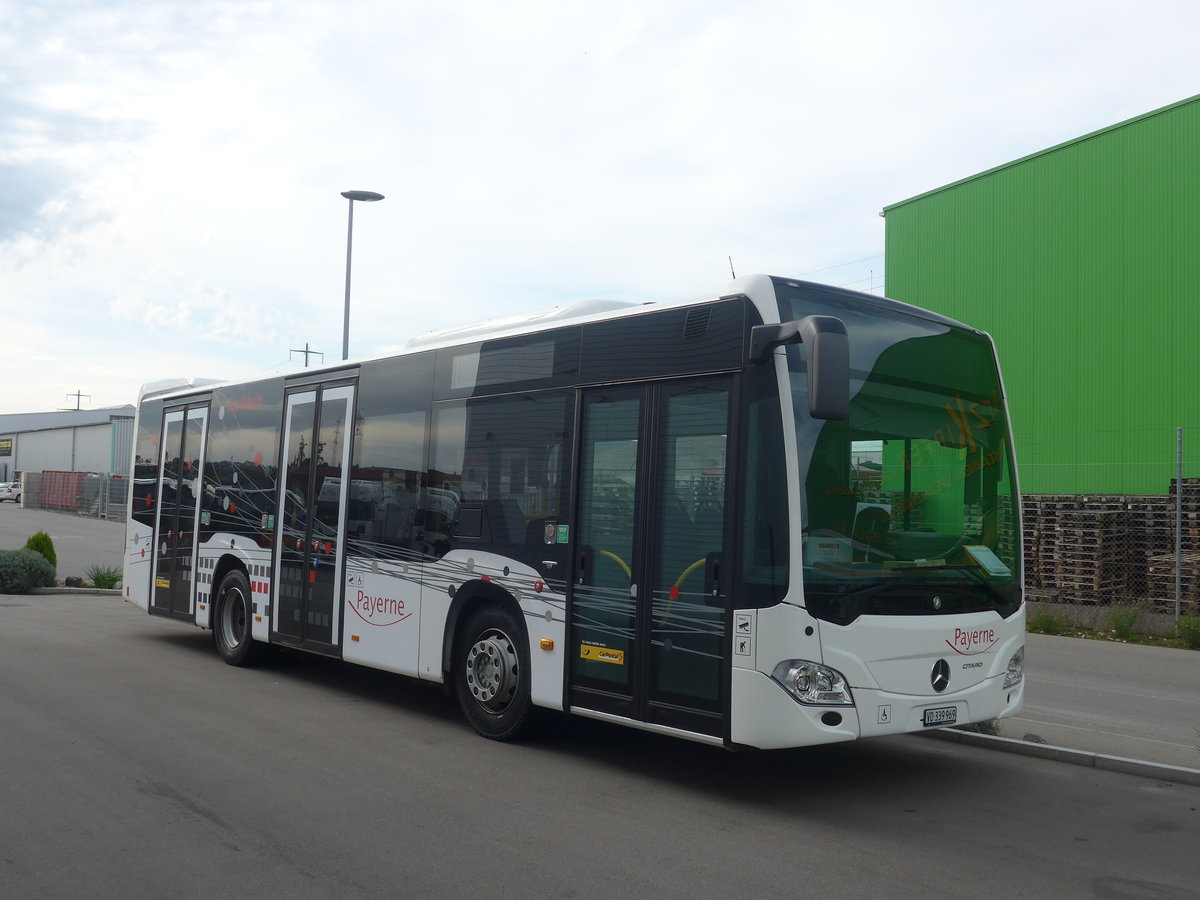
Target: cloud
(170,171)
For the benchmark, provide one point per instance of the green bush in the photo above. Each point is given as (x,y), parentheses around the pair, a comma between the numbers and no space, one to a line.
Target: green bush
(103,577)
(23,570)
(42,544)
(1189,631)
(1048,623)
(1122,620)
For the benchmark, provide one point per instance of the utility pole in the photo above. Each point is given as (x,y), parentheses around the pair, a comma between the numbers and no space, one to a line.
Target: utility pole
(78,398)
(307,353)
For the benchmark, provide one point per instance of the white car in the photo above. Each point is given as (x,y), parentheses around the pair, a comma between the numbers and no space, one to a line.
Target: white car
(10,490)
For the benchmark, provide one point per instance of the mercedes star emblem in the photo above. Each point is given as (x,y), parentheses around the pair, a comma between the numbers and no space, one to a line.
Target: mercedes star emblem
(940,679)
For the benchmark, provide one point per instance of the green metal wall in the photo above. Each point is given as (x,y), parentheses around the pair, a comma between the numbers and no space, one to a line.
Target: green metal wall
(1083,262)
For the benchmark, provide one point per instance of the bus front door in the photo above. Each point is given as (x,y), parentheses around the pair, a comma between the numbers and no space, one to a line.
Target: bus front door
(318,428)
(181,462)
(648,600)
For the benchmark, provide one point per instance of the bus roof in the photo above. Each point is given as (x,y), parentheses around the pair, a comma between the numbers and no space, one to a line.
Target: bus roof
(759,289)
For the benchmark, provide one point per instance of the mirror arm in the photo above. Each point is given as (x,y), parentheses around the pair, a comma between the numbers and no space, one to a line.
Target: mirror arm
(765,338)
(829,359)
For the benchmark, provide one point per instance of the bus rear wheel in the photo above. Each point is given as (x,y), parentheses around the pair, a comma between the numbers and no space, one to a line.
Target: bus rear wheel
(231,624)
(491,674)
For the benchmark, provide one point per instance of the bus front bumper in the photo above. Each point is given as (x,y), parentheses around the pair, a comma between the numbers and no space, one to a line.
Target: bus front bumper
(764,715)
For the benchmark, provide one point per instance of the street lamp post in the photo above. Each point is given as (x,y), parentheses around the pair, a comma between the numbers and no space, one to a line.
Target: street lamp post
(351,196)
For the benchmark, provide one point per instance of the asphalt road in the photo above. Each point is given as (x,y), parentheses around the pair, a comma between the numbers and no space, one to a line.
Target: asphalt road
(79,541)
(136,764)
(1117,699)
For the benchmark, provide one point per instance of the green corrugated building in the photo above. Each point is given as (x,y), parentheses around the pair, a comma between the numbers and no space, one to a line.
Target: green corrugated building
(1083,262)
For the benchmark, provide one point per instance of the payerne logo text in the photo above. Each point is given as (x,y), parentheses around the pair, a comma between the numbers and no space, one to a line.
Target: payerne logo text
(968,642)
(378,610)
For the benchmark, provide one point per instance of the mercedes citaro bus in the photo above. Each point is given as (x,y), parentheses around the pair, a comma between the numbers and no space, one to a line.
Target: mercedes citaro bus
(785,514)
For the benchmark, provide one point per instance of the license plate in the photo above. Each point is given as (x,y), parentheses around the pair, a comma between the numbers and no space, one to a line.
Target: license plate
(942,715)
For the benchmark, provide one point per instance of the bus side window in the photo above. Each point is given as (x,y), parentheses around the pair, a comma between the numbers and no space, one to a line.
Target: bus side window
(497,474)
(764,540)
(384,480)
(389,456)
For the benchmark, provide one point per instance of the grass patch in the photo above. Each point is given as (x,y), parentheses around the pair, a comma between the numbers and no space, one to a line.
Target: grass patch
(104,577)
(1120,625)
(1122,621)
(1048,623)
(1189,631)
(1105,634)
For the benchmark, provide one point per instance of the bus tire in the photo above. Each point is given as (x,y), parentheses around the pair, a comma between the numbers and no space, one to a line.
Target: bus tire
(231,621)
(491,674)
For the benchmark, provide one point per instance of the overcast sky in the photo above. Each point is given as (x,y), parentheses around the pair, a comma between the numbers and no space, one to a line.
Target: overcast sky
(170,170)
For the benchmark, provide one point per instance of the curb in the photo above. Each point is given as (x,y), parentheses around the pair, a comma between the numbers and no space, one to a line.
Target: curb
(103,592)
(1160,771)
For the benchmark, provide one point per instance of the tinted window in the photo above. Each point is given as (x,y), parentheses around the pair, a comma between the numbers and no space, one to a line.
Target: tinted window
(243,461)
(497,475)
(145,462)
(673,342)
(389,454)
(764,526)
(548,359)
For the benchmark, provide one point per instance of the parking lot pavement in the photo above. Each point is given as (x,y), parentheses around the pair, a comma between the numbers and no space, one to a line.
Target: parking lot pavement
(80,542)
(1096,698)
(1110,698)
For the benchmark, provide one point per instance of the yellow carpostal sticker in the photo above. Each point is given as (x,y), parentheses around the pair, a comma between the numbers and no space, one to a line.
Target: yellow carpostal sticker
(602,654)
(163,583)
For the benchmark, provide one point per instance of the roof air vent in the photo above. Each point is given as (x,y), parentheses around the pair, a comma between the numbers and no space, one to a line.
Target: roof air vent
(696,323)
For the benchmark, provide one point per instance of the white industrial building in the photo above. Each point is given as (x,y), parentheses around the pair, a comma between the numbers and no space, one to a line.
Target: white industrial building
(97,441)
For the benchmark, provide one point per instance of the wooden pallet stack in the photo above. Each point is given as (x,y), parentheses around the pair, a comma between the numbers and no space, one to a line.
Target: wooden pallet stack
(1095,556)
(1040,517)
(1113,548)
(1160,583)
(1191,511)
(1151,535)
(1092,548)
(1160,565)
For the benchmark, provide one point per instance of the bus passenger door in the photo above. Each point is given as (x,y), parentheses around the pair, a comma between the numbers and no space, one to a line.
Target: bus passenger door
(318,427)
(648,598)
(181,465)
(604,611)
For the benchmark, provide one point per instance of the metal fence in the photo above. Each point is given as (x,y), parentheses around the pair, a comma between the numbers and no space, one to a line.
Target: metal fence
(1115,550)
(82,493)
(1088,547)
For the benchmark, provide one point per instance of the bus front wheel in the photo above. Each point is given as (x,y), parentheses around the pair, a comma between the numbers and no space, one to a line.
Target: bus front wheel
(231,626)
(491,674)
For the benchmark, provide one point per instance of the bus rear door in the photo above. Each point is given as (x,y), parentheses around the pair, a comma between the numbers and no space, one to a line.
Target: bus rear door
(181,462)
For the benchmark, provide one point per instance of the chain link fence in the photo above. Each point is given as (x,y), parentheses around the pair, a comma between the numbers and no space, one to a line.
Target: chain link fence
(1093,545)
(82,493)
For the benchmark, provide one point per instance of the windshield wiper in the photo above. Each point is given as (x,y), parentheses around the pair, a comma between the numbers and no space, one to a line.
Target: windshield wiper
(948,567)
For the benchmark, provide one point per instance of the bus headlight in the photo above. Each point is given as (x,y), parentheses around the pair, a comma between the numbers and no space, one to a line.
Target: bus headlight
(813,684)
(1016,670)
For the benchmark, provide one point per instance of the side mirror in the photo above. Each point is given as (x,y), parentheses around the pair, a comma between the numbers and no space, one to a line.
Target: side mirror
(828,359)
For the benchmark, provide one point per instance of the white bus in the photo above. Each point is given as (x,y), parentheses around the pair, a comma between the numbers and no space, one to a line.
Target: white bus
(783,515)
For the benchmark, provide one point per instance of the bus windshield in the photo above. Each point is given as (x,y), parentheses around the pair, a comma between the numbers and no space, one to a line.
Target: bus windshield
(909,505)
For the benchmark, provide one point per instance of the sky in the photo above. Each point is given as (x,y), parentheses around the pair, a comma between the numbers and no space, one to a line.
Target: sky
(171,170)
